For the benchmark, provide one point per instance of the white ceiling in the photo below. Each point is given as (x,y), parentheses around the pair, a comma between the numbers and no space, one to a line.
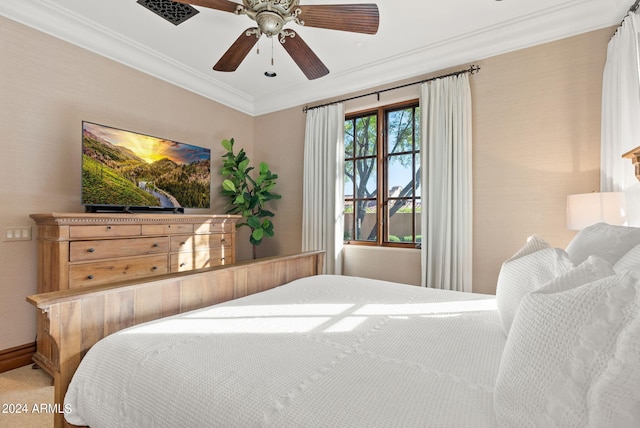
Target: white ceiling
(415,37)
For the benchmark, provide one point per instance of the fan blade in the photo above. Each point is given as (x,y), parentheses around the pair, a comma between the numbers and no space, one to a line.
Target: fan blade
(302,55)
(356,18)
(237,52)
(224,5)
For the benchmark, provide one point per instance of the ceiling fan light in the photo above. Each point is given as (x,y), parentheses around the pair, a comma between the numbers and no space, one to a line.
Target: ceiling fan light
(270,23)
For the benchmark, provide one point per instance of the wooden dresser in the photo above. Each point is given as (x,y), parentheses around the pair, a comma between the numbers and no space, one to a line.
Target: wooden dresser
(78,250)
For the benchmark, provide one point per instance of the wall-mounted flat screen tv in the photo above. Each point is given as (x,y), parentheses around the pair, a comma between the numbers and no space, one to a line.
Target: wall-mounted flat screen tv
(124,170)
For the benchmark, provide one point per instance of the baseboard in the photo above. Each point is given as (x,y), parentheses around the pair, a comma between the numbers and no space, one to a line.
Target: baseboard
(18,356)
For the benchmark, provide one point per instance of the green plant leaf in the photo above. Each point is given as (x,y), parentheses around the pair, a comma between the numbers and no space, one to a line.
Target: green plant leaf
(242,166)
(257,234)
(228,145)
(264,168)
(228,185)
(254,222)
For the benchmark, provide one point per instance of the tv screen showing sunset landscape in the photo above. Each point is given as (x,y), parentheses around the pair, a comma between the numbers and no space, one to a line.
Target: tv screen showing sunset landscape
(127,169)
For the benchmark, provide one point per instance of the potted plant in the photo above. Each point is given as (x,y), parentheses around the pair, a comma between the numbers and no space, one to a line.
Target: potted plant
(247,196)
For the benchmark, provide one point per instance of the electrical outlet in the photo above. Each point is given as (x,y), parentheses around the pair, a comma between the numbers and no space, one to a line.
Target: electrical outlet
(16,233)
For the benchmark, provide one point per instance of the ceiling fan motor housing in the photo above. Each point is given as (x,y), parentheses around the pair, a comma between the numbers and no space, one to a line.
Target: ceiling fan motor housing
(283,7)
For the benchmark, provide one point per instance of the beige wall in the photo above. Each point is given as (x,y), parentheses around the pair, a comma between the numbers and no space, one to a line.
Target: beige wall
(536,134)
(536,140)
(279,141)
(47,87)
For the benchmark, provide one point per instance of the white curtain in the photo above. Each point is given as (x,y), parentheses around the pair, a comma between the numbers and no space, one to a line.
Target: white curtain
(446,181)
(323,187)
(620,107)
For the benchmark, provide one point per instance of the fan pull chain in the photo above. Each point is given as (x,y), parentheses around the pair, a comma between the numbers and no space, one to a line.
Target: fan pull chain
(272,51)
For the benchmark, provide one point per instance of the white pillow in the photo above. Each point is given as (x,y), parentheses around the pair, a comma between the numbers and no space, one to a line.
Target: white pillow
(604,240)
(592,269)
(534,243)
(562,340)
(531,267)
(630,261)
(615,397)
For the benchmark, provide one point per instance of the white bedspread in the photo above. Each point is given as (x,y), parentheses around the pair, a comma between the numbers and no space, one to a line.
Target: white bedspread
(324,351)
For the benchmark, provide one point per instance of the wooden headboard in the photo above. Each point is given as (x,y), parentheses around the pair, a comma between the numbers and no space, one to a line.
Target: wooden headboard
(74,320)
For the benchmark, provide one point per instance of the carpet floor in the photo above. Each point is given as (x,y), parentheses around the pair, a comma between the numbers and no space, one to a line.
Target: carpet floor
(26,397)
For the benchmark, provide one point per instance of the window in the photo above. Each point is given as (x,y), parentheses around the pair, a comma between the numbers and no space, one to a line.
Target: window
(382,176)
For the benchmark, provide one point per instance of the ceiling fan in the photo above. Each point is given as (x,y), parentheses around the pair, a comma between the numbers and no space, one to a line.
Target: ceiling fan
(272,15)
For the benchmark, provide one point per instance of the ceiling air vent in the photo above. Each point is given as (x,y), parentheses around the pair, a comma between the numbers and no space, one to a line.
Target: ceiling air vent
(175,13)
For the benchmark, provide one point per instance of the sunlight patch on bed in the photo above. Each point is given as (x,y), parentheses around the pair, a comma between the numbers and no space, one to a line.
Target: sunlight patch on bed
(346,325)
(294,309)
(254,325)
(428,308)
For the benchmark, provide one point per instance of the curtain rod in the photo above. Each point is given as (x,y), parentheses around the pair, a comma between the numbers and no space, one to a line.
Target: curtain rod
(472,70)
(632,9)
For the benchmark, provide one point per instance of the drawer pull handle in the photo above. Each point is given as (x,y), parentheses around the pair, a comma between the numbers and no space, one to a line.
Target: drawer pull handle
(91,250)
(108,227)
(222,259)
(154,268)
(182,243)
(155,245)
(223,240)
(90,277)
(182,264)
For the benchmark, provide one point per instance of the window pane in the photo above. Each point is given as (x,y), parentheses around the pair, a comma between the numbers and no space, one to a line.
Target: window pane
(400,175)
(366,177)
(418,223)
(400,131)
(348,181)
(401,222)
(348,221)
(418,187)
(366,221)
(348,139)
(366,136)
(417,125)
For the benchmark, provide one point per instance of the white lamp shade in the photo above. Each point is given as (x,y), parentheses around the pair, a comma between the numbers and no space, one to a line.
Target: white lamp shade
(586,209)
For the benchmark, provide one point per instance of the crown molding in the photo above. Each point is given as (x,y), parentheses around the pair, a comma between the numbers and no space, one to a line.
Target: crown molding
(567,19)
(543,27)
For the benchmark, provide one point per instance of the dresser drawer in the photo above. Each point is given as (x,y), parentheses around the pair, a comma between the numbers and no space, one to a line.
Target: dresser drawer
(106,231)
(166,229)
(219,227)
(110,248)
(199,242)
(86,274)
(185,261)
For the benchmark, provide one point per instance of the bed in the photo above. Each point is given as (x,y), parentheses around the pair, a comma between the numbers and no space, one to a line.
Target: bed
(558,345)
(319,351)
